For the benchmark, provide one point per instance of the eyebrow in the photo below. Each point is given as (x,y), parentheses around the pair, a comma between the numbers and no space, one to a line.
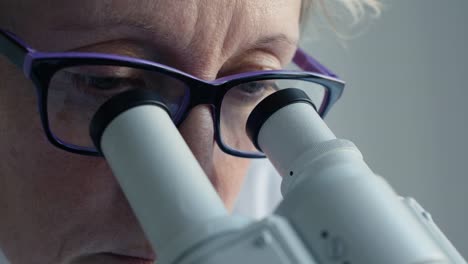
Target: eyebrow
(109,22)
(269,42)
(278,38)
(98,15)
(144,26)
(275,43)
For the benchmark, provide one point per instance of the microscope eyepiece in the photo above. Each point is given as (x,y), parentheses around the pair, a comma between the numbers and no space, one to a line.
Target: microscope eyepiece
(116,106)
(269,106)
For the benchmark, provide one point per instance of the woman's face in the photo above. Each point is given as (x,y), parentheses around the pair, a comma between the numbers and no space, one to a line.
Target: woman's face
(58,207)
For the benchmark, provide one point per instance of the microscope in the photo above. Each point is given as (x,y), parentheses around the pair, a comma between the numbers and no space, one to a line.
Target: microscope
(335,210)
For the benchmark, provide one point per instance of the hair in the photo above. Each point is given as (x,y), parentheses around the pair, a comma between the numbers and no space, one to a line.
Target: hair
(329,9)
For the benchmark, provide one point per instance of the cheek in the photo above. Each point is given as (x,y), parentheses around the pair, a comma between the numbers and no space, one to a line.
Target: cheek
(229,173)
(44,190)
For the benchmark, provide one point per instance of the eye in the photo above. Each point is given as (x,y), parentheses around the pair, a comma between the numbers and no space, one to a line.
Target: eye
(109,83)
(250,93)
(90,83)
(258,87)
(105,83)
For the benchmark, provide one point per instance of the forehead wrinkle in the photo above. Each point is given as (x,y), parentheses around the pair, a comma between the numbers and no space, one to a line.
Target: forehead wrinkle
(227,27)
(279,43)
(234,29)
(210,26)
(142,21)
(103,14)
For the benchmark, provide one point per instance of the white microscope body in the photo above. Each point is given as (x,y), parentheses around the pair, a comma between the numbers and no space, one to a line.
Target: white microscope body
(335,209)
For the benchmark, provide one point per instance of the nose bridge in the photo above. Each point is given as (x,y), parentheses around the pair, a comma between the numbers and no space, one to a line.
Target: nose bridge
(203,94)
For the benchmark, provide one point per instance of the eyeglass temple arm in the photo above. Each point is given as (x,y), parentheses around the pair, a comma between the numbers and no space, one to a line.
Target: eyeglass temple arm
(13,48)
(307,63)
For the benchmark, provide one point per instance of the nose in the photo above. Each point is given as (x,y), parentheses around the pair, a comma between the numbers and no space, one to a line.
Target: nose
(198,131)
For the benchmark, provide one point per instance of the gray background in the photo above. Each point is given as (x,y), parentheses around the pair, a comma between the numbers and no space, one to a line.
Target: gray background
(405,105)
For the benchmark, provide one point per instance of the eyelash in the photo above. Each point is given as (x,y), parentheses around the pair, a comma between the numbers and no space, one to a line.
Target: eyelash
(90,84)
(251,93)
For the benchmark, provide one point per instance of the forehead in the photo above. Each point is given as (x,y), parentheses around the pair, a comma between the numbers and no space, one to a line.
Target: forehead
(180,15)
(198,27)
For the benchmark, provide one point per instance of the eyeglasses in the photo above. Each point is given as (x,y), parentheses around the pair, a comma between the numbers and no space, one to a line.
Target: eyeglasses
(71,86)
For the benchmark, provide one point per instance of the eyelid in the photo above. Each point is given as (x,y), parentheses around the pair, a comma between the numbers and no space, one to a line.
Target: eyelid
(103,71)
(253,61)
(264,58)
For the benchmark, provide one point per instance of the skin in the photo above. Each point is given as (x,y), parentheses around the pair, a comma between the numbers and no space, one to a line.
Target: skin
(58,207)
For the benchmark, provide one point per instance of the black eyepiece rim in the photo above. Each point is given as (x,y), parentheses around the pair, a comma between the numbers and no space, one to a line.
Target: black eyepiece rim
(118,104)
(269,105)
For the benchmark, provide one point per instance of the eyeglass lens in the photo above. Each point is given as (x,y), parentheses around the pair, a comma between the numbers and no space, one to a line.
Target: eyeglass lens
(76,93)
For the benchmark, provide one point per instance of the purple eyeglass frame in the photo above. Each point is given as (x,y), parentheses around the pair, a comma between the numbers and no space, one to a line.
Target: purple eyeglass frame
(39,67)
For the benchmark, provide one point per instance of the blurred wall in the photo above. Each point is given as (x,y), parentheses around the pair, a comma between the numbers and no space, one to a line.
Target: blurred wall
(406,103)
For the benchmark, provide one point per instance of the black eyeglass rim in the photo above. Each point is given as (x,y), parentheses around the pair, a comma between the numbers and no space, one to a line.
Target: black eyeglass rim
(212,94)
(23,56)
